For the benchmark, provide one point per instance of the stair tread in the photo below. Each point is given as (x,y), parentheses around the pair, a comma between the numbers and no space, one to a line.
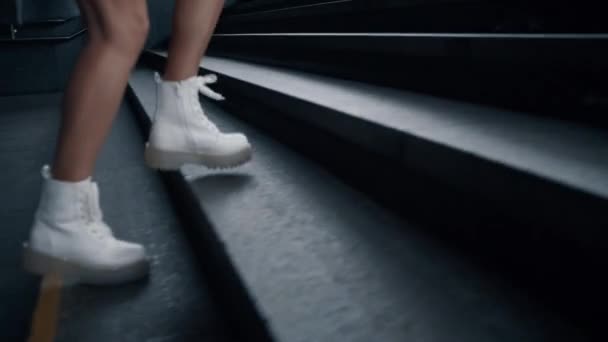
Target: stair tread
(571,154)
(325,263)
(173,304)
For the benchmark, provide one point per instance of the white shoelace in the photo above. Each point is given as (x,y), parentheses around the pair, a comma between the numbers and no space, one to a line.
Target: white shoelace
(201,83)
(97,225)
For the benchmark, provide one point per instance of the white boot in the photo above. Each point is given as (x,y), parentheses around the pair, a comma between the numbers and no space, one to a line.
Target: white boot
(182,134)
(70,238)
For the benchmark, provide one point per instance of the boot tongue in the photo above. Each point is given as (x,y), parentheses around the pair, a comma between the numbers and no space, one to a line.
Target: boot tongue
(94,206)
(190,81)
(46,172)
(95,210)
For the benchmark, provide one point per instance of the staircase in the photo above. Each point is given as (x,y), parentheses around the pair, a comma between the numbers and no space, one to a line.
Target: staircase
(382,208)
(375,213)
(438,180)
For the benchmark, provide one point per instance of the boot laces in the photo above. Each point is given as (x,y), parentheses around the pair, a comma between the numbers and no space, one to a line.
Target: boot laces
(92,214)
(201,83)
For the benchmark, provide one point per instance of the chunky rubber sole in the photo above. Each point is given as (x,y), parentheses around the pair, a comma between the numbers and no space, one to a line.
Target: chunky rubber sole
(42,264)
(170,161)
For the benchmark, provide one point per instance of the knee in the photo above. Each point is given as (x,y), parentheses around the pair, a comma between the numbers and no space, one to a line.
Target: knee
(139,28)
(130,33)
(123,24)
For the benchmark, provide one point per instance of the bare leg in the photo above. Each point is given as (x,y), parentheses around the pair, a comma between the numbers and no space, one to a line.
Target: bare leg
(193,24)
(117,30)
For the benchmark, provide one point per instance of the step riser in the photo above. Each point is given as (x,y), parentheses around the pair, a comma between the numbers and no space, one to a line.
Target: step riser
(549,77)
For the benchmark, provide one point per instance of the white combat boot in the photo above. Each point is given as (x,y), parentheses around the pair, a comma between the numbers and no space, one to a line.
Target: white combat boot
(182,134)
(70,238)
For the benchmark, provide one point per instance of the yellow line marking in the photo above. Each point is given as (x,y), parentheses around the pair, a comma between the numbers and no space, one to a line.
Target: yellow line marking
(46,314)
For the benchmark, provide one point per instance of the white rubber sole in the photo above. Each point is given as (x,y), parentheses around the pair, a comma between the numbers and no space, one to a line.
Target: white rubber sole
(170,161)
(71,272)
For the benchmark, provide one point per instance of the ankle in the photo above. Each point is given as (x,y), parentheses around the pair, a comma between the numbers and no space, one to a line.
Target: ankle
(67,175)
(177,77)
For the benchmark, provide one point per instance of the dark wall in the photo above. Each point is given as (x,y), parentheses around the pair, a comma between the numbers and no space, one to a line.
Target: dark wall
(8,11)
(34,67)
(20,12)
(160,12)
(41,10)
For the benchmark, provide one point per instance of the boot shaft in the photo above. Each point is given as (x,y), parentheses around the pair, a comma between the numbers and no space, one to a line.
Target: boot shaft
(180,123)
(176,97)
(67,201)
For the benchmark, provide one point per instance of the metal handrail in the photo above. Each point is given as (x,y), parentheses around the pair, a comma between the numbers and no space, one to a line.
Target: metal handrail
(14,37)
